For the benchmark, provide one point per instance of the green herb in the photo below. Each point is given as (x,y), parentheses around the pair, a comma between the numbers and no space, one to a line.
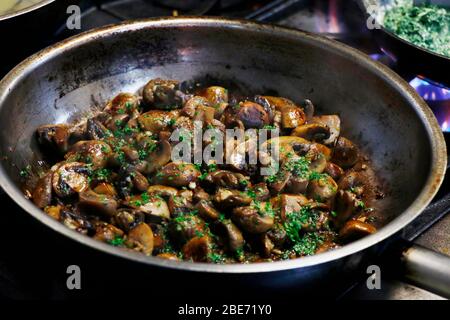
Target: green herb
(216,258)
(25,172)
(426,26)
(297,220)
(117,241)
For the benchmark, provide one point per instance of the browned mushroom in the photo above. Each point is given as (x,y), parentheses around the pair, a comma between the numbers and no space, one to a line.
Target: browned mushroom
(178,174)
(334,171)
(198,249)
(141,238)
(42,193)
(312,132)
(184,228)
(157,120)
(95,130)
(181,203)
(218,97)
(159,157)
(345,153)
(70,178)
(154,207)
(231,198)
(106,189)
(193,106)
(322,188)
(346,205)
(228,179)
(252,221)
(207,211)
(289,203)
(252,115)
(333,123)
(355,229)
(117,122)
(94,152)
(107,232)
(139,181)
(123,103)
(54,137)
(233,237)
(95,203)
(291,115)
(162,94)
(127,219)
(161,190)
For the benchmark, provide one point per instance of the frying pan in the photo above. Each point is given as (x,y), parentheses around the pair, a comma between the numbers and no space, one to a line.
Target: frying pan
(409,56)
(380,112)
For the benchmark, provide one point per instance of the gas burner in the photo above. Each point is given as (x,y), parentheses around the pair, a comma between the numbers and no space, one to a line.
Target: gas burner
(437,97)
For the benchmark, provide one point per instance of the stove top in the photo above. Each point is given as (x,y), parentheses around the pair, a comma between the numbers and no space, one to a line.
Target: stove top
(338,19)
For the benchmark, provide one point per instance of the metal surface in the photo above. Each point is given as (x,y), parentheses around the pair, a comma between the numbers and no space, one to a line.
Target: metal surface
(408,56)
(381,112)
(433,275)
(26,10)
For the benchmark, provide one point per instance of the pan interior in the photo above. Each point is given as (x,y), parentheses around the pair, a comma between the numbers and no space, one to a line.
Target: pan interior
(375,113)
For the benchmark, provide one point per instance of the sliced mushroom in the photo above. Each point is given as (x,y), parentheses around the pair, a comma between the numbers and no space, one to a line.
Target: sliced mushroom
(139,181)
(225,178)
(355,229)
(95,203)
(127,219)
(70,178)
(200,194)
(155,208)
(107,232)
(346,205)
(231,198)
(106,189)
(308,108)
(181,203)
(42,193)
(90,151)
(193,106)
(76,221)
(334,171)
(157,120)
(291,115)
(249,219)
(198,249)
(184,228)
(117,122)
(333,123)
(54,137)
(312,132)
(177,174)
(123,103)
(322,189)
(218,97)
(260,191)
(345,153)
(162,94)
(215,94)
(290,203)
(159,157)
(161,190)
(96,130)
(252,115)
(233,237)
(207,211)
(141,238)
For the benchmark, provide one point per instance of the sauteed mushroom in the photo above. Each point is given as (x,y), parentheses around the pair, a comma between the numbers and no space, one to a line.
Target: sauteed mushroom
(119,184)
(162,94)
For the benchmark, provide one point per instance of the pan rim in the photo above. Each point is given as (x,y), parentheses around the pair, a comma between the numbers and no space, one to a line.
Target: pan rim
(436,139)
(33,7)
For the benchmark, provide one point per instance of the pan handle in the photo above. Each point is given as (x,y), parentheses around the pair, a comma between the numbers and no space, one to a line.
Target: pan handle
(427,269)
